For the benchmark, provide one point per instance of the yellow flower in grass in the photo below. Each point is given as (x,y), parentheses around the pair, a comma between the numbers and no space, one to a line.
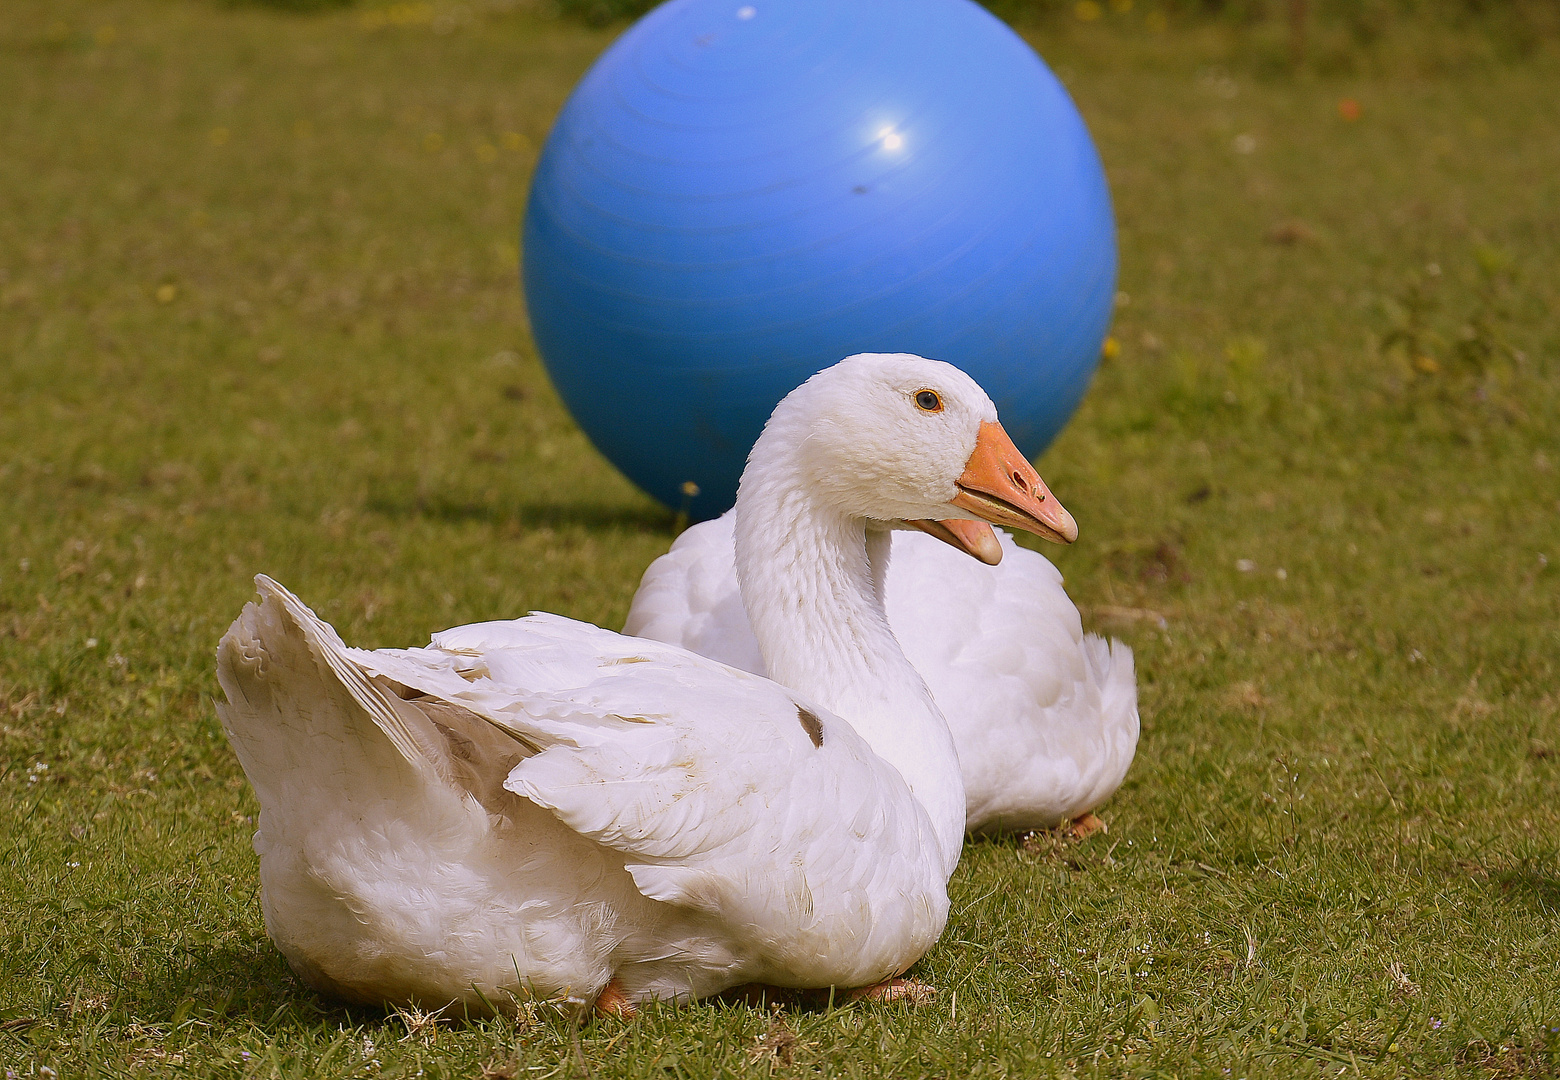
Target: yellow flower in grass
(167,292)
(1111,349)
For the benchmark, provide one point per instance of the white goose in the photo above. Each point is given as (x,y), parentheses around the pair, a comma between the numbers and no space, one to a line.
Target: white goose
(542,807)
(1043,715)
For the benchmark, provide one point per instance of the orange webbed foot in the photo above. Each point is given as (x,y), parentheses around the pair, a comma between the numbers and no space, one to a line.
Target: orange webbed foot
(908,991)
(1084,826)
(614,1001)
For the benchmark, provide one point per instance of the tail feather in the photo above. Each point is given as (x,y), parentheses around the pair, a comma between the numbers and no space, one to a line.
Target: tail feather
(1114,671)
(328,649)
(301,711)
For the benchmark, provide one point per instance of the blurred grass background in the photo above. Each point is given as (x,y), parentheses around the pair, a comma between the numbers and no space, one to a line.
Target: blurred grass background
(259,311)
(1325,35)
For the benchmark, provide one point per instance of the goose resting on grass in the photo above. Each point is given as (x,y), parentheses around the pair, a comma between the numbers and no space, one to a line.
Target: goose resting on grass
(541,808)
(1044,716)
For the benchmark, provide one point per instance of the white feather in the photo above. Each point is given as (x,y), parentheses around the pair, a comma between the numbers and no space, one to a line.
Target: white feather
(1044,716)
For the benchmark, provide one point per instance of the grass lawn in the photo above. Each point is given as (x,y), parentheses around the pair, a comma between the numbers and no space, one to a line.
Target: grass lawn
(258,311)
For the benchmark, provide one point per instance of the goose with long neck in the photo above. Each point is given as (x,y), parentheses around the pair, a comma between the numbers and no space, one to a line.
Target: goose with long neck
(1043,716)
(544,808)
(812,547)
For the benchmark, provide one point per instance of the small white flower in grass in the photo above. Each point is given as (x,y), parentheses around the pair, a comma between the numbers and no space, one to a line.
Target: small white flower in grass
(1245,144)
(1415,656)
(1245,566)
(91,642)
(1281,574)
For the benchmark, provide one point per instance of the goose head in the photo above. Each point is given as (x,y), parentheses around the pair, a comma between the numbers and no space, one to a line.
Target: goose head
(900,440)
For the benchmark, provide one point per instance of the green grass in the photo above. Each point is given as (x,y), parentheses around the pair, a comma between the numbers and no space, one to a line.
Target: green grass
(258,311)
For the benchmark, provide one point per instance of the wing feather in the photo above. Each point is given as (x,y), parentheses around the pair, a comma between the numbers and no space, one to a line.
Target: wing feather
(698,773)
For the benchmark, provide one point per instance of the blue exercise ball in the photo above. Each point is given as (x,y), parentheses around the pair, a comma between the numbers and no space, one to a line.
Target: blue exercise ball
(741,192)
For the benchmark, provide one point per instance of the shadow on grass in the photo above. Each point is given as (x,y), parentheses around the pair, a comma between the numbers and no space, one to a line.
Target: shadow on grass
(1529,886)
(648,518)
(237,980)
(237,984)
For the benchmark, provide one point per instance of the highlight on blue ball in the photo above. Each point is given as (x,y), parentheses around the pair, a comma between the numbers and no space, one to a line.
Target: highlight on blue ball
(741,192)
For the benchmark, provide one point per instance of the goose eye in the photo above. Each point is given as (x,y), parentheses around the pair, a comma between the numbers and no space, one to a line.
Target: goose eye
(928,401)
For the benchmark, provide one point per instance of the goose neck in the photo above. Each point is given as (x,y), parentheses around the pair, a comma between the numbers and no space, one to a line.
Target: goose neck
(811,582)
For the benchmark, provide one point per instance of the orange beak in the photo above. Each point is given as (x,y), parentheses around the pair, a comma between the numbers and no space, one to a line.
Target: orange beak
(971,537)
(1000,486)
